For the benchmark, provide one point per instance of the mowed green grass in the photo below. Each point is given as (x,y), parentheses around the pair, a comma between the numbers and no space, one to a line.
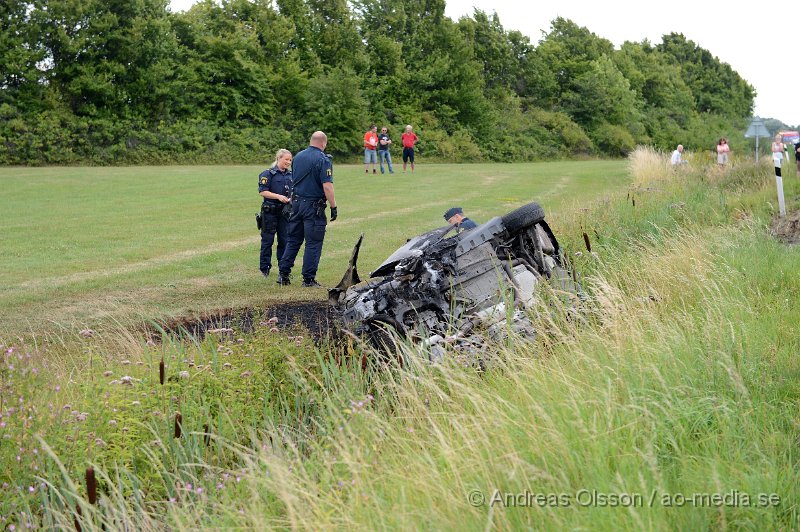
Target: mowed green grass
(87,245)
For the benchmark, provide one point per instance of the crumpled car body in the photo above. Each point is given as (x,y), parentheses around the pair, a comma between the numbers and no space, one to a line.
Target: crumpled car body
(447,286)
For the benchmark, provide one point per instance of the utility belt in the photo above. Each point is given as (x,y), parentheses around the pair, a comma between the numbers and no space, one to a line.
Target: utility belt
(306,198)
(272,208)
(318,203)
(269,209)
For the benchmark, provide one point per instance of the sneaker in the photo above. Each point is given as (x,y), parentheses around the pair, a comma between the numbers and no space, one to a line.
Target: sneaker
(373,171)
(265,274)
(283,279)
(311,283)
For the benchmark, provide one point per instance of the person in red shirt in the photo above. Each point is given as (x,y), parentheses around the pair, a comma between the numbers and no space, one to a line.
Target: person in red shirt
(409,138)
(370,143)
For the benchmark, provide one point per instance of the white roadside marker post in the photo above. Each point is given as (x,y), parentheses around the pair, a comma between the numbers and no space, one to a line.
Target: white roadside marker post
(781,202)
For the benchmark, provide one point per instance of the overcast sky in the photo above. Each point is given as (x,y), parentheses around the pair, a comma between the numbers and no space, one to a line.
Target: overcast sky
(760,41)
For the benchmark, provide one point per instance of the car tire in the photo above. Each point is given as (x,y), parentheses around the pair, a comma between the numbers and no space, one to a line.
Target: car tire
(525,216)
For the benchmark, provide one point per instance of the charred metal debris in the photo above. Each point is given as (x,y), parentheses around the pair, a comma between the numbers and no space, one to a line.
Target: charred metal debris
(455,288)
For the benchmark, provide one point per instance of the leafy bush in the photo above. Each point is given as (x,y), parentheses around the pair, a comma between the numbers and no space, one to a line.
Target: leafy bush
(568,136)
(614,140)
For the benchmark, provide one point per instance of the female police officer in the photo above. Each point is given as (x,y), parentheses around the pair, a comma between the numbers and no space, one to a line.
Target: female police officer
(275,186)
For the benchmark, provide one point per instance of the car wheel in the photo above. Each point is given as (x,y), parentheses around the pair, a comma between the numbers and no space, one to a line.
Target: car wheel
(525,216)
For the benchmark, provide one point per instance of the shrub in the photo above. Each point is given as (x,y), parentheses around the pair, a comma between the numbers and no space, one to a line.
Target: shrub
(614,140)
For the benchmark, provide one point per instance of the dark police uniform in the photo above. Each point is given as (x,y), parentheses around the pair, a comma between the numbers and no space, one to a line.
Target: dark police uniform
(466,223)
(274,219)
(311,168)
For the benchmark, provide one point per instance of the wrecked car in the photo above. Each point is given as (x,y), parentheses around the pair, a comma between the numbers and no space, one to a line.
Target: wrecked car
(451,286)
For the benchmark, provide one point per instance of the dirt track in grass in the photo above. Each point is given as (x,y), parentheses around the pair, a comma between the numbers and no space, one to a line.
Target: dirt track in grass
(787,228)
(317,317)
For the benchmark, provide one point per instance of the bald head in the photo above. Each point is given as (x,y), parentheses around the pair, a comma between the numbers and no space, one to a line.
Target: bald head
(319,140)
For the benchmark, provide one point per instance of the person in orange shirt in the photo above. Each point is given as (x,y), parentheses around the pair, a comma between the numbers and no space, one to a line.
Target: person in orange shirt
(370,143)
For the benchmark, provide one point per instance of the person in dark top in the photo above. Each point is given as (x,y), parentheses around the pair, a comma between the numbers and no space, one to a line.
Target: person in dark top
(797,155)
(275,186)
(455,216)
(312,171)
(383,150)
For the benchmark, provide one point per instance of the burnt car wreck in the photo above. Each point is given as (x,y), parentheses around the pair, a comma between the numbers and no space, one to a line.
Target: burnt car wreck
(456,287)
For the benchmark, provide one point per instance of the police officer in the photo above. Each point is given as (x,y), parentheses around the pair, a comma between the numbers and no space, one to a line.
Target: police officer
(313,184)
(455,216)
(275,186)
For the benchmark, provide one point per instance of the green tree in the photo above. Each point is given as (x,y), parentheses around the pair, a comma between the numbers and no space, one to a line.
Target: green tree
(436,69)
(225,61)
(335,105)
(601,95)
(715,86)
(110,58)
(668,102)
(655,79)
(492,48)
(20,54)
(567,52)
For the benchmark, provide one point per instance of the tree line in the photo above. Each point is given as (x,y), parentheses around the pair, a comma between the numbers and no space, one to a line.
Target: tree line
(129,82)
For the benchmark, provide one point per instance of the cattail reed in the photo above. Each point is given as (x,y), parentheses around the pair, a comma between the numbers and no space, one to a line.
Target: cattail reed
(207,435)
(161,372)
(91,485)
(178,421)
(586,241)
(78,513)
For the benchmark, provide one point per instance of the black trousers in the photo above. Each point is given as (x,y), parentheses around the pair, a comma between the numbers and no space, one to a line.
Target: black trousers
(272,225)
(307,223)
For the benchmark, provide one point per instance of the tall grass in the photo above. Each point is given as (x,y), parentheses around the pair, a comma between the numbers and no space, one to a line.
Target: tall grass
(662,392)
(675,381)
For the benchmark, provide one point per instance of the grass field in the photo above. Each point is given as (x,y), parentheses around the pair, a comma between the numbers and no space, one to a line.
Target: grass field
(669,400)
(82,245)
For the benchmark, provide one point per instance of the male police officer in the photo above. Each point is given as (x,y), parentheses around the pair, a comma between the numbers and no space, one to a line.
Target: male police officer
(313,184)
(275,186)
(455,216)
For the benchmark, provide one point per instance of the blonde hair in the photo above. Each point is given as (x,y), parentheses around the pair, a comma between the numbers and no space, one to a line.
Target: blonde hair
(281,153)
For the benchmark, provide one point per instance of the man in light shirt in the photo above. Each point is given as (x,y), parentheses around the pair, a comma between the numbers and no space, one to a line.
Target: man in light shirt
(676,156)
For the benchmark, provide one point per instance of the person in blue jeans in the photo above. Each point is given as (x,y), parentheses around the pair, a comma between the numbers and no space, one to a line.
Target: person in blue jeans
(383,150)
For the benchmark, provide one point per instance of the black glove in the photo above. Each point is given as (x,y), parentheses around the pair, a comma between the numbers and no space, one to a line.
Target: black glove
(334,213)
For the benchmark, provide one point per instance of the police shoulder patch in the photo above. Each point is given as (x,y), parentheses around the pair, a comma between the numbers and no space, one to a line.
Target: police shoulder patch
(330,172)
(263,180)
